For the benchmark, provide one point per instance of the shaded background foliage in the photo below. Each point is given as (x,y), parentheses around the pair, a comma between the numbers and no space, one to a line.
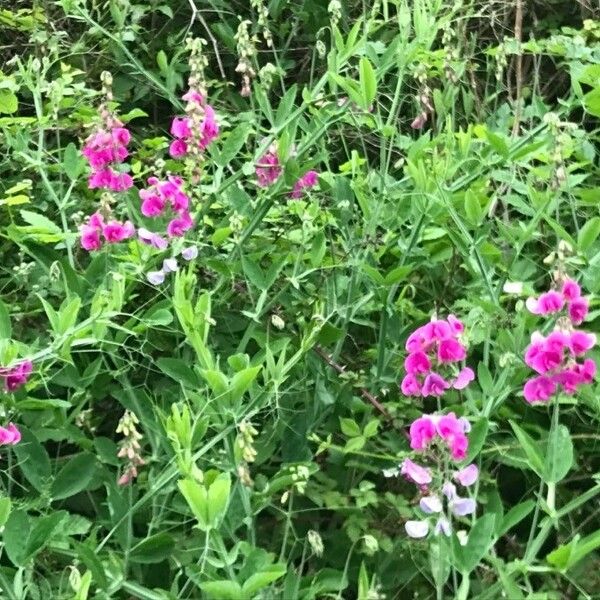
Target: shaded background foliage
(406,222)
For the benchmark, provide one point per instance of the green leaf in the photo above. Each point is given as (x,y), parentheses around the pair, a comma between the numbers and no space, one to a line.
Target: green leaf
(5,508)
(363,582)
(43,530)
(286,105)
(9,102)
(73,163)
(74,477)
(16,532)
(233,144)
(588,234)
(153,549)
(478,543)
(561,556)
(559,455)
(477,437)
(219,384)
(33,460)
(531,448)
(197,499)
(349,427)
(241,382)
(368,83)
(40,223)
(218,498)
(258,581)
(515,515)
(222,590)
(178,370)
(89,558)
(5,324)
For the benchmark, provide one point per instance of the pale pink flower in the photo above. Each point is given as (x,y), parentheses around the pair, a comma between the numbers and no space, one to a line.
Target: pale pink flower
(468,475)
(464,377)
(416,473)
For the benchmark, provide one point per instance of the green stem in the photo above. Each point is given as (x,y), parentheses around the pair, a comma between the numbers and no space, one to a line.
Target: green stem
(551,496)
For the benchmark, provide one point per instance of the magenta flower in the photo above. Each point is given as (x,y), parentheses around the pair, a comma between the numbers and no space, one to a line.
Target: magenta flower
(451,350)
(9,435)
(17,375)
(434,385)
(90,238)
(410,385)
(539,389)
(578,310)
(421,432)
(417,363)
(571,290)
(115,232)
(307,181)
(548,303)
(268,168)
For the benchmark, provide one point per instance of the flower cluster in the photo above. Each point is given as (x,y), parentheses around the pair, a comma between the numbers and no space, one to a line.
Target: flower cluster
(170,266)
(268,170)
(569,298)
(448,431)
(182,128)
(130,447)
(161,194)
(16,376)
(439,437)
(9,435)
(106,147)
(559,358)
(112,232)
(432,351)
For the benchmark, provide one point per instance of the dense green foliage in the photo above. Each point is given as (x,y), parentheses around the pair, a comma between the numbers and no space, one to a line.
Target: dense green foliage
(264,374)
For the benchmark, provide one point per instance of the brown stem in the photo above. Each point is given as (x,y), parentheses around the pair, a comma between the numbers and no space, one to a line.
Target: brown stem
(363,391)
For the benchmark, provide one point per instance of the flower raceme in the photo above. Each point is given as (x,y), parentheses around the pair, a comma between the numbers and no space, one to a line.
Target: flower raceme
(436,437)
(97,231)
(104,149)
(432,351)
(559,358)
(163,195)
(182,128)
(553,301)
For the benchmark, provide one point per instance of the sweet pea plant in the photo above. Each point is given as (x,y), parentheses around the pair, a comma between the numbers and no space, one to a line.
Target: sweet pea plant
(304,309)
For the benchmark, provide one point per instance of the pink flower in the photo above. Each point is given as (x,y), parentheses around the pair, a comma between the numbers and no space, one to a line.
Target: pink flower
(410,385)
(178,226)
(456,325)
(419,121)
(417,363)
(571,290)
(434,385)
(580,342)
(464,377)
(421,432)
(539,389)
(180,128)
(451,350)
(548,303)
(416,473)
(467,476)
(115,232)
(268,169)
(96,220)
(9,435)
(578,310)
(209,128)
(16,376)
(178,148)
(152,205)
(90,238)
(308,180)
